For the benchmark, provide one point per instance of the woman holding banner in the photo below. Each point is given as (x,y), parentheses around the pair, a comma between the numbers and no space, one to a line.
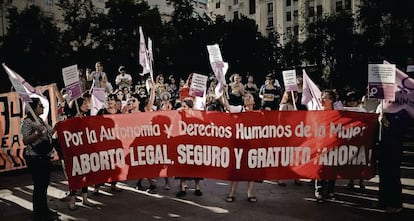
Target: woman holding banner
(37,136)
(188,104)
(394,126)
(133,106)
(288,103)
(110,109)
(325,188)
(249,103)
(83,104)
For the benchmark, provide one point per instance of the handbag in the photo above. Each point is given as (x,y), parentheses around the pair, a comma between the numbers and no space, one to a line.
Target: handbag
(43,148)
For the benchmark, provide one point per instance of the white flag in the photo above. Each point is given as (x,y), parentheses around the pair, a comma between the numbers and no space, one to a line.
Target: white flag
(25,89)
(97,100)
(219,68)
(143,53)
(311,94)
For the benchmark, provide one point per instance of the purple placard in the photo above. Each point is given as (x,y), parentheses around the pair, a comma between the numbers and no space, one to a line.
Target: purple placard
(196,92)
(74,90)
(381,91)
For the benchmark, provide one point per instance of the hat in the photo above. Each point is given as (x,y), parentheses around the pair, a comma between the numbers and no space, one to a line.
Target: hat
(271,76)
(165,96)
(121,68)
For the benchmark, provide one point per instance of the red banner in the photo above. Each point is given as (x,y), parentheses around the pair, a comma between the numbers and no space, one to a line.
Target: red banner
(11,116)
(243,146)
(11,149)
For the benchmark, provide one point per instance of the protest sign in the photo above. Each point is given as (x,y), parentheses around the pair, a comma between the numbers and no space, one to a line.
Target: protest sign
(198,85)
(381,81)
(242,146)
(289,79)
(71,81)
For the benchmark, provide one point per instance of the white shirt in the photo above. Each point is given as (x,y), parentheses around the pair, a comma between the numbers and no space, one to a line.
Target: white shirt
(123,80)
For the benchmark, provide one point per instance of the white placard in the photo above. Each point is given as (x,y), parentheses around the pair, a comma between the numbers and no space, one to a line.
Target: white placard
(70,74)
(214,53)
(381,73)
(289,79)
(198,85)
(381,81)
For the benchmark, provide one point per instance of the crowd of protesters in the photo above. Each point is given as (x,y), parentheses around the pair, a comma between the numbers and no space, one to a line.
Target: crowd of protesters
(129,94)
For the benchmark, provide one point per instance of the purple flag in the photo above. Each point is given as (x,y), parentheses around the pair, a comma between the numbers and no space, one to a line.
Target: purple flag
(404,94)
(27,91)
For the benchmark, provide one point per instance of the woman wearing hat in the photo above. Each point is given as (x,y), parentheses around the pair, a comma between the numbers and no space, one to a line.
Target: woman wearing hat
(37,136)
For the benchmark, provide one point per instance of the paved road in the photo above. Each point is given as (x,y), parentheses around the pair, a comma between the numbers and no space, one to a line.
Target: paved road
(288,203)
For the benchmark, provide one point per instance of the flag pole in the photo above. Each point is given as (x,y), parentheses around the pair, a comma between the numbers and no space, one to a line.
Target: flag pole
(32,113)
(93,84)
(293,100)
(381,123)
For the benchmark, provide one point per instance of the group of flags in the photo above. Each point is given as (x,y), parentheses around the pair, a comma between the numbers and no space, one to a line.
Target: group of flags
(403,88)
(311,94)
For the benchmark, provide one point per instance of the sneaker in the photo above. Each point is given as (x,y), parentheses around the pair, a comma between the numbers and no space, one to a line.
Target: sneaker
(198,193)
(66,198)
(350,186)
(96,192)
(72,207)
(116,189)
(87,203)
(331,195)
(139,187)
(280,183)
(151,189)
(181,194)
(318,196)
(298,182)
(393,209)
(52,213)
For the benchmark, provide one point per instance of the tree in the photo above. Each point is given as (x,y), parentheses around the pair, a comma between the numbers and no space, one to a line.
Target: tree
(185,41)
(388,27)
(79,31)
(120,32)
(330,46)
(31,46)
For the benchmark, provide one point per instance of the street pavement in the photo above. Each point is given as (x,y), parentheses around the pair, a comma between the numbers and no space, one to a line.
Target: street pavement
(290,203)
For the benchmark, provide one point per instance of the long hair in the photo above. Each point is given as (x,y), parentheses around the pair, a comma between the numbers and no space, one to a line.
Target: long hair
(35,102)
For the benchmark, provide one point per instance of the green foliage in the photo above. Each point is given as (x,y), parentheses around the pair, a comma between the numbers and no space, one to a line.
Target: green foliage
(388,27)
(385,31)
(119,33)
(78,34)
(330,46)
(31,46)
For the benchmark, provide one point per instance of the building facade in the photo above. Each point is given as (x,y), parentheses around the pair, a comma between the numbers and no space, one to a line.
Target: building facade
(50,9)
(286,17)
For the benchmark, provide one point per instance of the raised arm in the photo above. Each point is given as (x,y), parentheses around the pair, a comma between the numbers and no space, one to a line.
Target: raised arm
(151,100)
